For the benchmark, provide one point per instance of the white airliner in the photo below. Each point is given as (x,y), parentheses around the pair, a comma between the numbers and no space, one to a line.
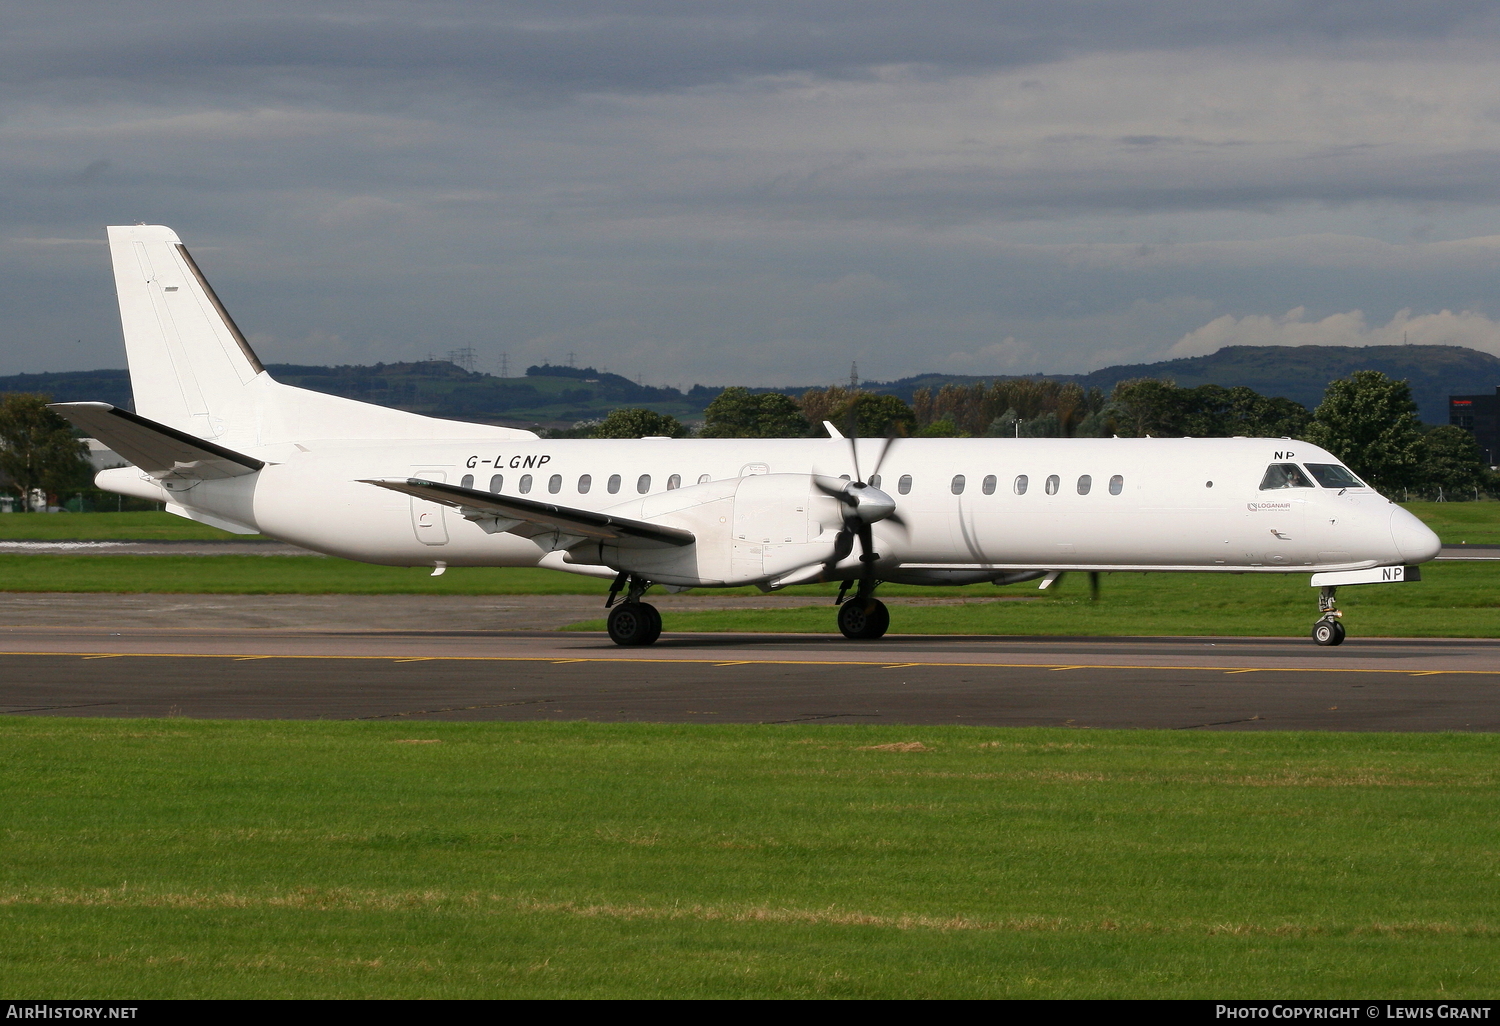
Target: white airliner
(221,442)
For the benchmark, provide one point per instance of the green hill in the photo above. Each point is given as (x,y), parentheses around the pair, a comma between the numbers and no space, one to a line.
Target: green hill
(1300,373)
(555,396)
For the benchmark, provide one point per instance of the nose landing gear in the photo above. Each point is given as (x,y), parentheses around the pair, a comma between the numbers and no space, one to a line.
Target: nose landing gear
(1328,631)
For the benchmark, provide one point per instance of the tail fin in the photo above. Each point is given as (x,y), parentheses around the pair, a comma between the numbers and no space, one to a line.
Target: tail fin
(192,370)
(190,367)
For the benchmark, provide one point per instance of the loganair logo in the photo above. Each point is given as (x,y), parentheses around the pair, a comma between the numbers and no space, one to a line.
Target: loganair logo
(1263,507)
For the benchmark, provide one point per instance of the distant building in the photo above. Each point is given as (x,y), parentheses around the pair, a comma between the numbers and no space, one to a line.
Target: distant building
(1480,416)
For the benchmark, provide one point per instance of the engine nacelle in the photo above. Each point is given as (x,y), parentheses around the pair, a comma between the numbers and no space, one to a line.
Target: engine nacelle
(749,530)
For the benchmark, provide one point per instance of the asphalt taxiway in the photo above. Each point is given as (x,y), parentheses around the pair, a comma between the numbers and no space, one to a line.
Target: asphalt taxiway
(418,675)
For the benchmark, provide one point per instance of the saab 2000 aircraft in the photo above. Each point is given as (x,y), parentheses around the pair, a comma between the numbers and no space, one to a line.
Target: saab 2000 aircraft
(219,441)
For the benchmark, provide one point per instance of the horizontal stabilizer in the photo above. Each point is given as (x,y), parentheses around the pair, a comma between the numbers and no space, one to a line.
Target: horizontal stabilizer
(157,449)
(532,518)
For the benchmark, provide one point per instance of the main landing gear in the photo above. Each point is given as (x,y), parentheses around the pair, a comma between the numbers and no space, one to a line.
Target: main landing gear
(864,617)
(632,622)
(1328,630)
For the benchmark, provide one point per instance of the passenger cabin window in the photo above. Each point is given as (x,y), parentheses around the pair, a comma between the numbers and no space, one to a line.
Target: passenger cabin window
(554,483)
(496,483)
(1020,485)
(1331,475)
(1084,484)
(467,482)
(874,480)
(1052,482)
(614,483)
(703,479)
(643,484)
(585,482)
(904,484)
(958,484)
(525,483)
(989,484)
(1116,485)
(675,481)
(1284,475)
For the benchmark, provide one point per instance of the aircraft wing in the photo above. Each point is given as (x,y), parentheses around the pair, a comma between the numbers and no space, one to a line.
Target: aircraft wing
(531,518)
(156,448)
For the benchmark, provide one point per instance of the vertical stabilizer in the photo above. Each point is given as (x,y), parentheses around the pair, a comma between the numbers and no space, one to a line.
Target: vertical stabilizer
(192,370)
(190,367)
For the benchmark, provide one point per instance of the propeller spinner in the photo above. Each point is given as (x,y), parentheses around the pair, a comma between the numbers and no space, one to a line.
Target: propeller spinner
(863,506)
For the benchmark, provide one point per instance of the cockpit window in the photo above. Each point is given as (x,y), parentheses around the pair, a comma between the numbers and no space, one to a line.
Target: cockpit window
(1284,475)
(1331,475)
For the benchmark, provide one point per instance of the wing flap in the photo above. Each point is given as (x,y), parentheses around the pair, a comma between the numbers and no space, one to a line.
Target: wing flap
(159,450)
(538,518)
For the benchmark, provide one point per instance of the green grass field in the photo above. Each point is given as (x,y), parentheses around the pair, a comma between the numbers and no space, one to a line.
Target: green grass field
(1458,523)
(109,527)
(175,858)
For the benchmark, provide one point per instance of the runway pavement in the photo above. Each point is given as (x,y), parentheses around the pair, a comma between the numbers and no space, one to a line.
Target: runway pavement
(418,675)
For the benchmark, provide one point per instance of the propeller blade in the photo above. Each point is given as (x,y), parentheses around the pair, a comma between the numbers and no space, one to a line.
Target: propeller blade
(1093,586)
(854,452)
(885,450)
(867,554)
(826,488)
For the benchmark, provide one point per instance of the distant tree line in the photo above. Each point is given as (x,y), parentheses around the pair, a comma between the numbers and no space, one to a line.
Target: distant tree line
(1367,420)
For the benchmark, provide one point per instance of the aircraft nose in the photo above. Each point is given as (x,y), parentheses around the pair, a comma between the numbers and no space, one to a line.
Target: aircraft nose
(1414,540)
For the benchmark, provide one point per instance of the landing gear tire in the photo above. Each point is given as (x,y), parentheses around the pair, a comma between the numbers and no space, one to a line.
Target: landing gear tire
(1328,632)
(864,619)
(634,623)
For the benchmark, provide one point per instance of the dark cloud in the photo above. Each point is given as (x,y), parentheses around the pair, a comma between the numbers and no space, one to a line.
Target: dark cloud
(748,189)
(584,46)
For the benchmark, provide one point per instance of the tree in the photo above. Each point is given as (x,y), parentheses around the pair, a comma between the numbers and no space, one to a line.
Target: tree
(638,423)
(1265,416)
(738,413)
(1146,406)
(1149,406)
(37,447)
(1454,463)
(864,413)
(1370,422)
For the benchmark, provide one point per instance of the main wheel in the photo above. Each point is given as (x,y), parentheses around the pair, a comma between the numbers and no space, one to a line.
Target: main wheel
(864,619)
(1328,632)
(634,623)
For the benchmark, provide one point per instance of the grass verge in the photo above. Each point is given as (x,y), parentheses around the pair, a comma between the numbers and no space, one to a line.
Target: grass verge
(177,858)
(142,526)
(1453,600)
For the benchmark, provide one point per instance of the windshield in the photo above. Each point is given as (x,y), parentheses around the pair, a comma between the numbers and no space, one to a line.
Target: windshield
(1284,475)
(1331,475)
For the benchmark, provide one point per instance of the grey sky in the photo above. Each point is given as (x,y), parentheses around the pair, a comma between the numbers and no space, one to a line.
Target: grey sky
(760,192)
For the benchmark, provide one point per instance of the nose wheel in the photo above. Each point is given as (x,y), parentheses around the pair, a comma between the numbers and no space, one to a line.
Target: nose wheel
(1328,631)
